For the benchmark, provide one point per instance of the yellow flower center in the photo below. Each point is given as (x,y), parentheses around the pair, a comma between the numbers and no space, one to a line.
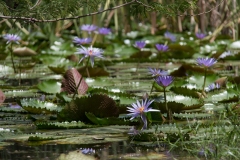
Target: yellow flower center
(90,52)
(141,109)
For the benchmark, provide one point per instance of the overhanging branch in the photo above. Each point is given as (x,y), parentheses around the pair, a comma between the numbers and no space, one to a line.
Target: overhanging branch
(33,20)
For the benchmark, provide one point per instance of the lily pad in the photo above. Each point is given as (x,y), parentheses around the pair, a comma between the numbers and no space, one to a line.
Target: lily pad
(50,86)
(39,107)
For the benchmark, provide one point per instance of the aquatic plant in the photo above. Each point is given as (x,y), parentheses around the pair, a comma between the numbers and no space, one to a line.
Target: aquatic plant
(140,44)
(89,52)
(164,82)
(170,36)
(81,41)
(139,109)
(161,47)
(104,31)
(73,82)
(206,63)
(12,38)
(200,35)
(89,28)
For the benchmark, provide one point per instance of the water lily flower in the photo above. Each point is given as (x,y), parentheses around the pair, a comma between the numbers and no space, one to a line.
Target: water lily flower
(161,47)
(164,81)
(11,38)
(213,86)
(225,54)
(104,31)
(80,41)
(87,150)
(88,27)
(140,44)
(170,36)
(200,35)
(90,52)
(138,109)
(207,62)
(157,72)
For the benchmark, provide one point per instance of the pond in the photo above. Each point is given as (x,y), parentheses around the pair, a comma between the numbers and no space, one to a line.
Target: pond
(40,120)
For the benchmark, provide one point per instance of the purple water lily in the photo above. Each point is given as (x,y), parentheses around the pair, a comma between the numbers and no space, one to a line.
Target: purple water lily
(11,38)
(87,150)
(157,72)
(89,28)
(140,44)
(161,47)
(213,86)
(225,54)
(200,35)
(90,52)
(80,41)
(138,109)
(207,62)
(170,36)
(104,31)
(164,81)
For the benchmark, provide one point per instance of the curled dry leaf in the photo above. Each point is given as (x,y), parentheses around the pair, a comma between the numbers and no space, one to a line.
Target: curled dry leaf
(70,82)
(222,81)
(2,97)
(24,52)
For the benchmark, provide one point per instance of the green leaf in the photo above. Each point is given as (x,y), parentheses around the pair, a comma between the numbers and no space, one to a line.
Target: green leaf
(39,107)
(185,91)
(106,121)
(50,86)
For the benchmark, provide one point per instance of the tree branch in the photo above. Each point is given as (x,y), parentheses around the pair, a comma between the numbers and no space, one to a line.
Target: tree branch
(33,20)
(152,8)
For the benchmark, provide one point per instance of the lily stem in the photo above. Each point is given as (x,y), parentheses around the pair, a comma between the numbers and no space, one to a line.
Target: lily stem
(11,53)
(204,82)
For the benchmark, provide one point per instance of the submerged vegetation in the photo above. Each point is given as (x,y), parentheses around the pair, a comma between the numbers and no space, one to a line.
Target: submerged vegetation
(84,82)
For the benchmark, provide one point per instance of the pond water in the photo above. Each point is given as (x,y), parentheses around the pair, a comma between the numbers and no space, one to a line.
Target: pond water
(102,151)
(108,142)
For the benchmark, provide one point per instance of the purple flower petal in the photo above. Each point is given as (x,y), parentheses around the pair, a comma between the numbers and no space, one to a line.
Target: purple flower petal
(80,41)
(140,44)
(138,109)
(170,36)
(104,31)
(157,72)
(161,47)
(89,28)
(200,35)
(207,62)
(164,81)
(11,38)
(90,52)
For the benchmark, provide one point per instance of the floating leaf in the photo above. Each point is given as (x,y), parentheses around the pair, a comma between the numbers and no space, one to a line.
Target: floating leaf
(24,52)
(93,72)
(184,70)
(174,106)
(39,107)
(58,69)
(61,125)
(192,115)
(106,121)
(141,54)
(100,105)
(185,91)
(50,86)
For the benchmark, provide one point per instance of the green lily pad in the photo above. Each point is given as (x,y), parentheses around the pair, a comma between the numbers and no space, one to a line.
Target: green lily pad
(50,86)
(39,107)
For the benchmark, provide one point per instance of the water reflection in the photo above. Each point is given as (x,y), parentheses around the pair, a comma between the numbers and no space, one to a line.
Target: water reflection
(107,151)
